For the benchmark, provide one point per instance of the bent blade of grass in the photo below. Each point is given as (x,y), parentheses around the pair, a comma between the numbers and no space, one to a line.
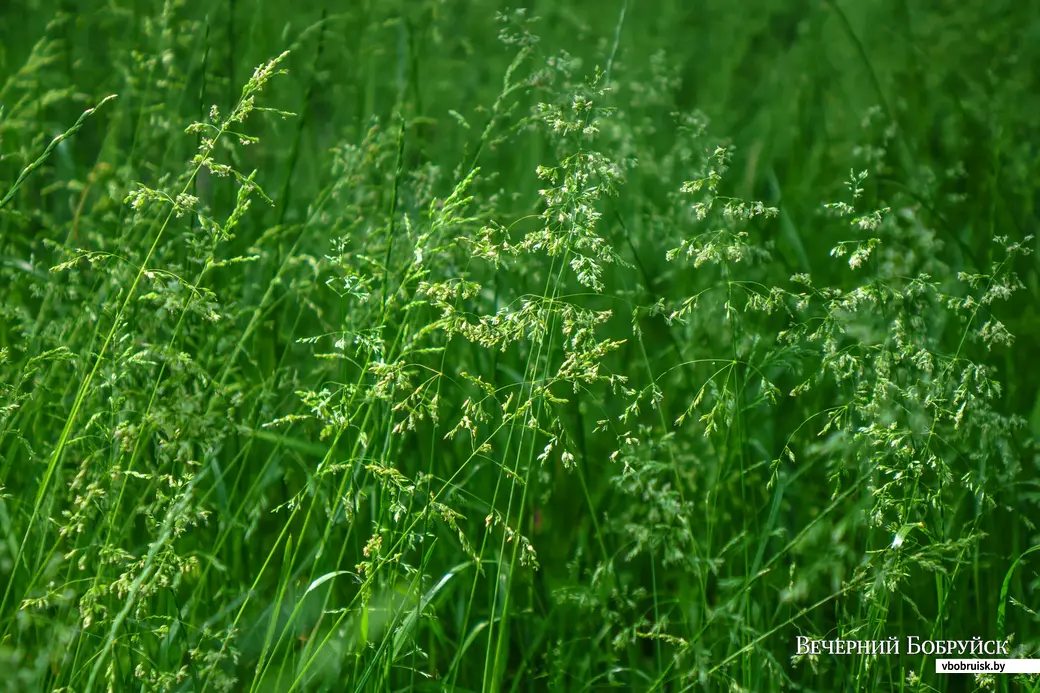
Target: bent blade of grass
(27,171)
(1005,588)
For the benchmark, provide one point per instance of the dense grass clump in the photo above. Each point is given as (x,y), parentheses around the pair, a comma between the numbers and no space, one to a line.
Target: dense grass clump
(454,347)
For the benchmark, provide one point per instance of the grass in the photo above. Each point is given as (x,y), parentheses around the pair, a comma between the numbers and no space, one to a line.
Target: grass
(454,347)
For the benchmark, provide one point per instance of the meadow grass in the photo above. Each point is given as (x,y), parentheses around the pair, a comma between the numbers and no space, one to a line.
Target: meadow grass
(459,347)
